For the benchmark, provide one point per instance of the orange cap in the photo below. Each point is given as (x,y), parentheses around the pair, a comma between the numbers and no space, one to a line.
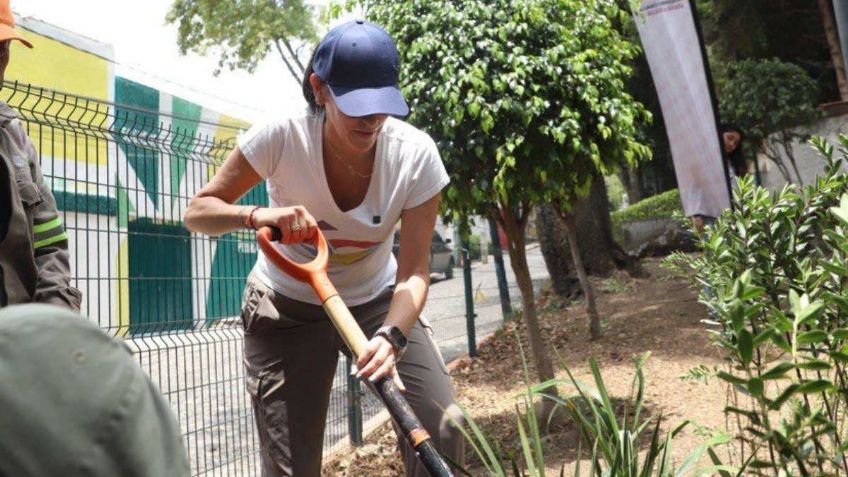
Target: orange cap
(7,24)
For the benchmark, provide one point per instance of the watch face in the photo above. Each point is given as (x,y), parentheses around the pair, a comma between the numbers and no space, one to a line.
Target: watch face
(397,334)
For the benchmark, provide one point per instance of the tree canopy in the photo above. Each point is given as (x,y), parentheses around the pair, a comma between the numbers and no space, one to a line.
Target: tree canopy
(243,32)
(769,97)
(789,30)
(526,99)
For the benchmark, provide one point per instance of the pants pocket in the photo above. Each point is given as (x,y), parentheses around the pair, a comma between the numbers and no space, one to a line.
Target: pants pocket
(260,312)
(250,303)
(27,189)
(273,442)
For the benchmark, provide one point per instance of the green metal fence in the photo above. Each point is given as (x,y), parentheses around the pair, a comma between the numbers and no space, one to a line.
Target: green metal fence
(122,176)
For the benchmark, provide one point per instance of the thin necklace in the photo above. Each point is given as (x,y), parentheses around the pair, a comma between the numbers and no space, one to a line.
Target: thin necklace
(353,171)
(357,173)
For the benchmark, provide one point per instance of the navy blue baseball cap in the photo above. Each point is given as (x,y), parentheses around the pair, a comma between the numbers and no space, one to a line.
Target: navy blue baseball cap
(359,62)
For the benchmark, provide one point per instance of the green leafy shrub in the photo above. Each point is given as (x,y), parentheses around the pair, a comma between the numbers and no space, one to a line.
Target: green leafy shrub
(660,206)
(775,272)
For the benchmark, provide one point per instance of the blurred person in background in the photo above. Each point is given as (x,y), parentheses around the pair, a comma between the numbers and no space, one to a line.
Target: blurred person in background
(731,137)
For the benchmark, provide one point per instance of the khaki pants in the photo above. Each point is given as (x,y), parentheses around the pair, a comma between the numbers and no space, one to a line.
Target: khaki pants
(290,355)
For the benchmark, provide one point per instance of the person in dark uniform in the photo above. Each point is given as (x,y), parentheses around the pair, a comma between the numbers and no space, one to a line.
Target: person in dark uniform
(34,261)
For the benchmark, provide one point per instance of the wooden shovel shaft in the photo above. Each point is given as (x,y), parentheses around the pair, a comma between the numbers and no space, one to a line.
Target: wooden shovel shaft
(388,392)
(348,328)
(315,273)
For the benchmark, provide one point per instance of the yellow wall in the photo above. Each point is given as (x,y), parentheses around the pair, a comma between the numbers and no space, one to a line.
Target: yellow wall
(223,134)
(54,65)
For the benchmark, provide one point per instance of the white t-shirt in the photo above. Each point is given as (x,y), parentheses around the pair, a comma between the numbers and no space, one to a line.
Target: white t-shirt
(288,154)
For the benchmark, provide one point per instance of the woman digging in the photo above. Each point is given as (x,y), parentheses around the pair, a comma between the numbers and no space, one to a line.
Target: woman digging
(345,166)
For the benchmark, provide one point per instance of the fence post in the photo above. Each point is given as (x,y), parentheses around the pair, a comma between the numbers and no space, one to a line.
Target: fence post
(469,300)
(354,406)
(500,271)
(484,249)
(457,251)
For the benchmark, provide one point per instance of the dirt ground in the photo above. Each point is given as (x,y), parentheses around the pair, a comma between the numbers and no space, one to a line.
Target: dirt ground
(658,314)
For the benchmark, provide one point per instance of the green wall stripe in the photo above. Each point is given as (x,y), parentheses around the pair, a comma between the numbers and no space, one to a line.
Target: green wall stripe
(93,204)
(231,264)
(143,160)
(185,122)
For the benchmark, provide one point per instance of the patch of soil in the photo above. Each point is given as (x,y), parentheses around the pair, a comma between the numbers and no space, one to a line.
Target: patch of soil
(657,315)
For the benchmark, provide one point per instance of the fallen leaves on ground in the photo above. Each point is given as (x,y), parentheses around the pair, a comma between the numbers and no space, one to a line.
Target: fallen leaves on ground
(658,314)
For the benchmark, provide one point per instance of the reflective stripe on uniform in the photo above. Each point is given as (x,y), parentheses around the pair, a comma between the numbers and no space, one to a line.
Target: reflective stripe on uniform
(51,224)
(48,233)
(50,241)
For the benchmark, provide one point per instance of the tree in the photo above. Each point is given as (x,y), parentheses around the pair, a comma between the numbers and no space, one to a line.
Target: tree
(826,9)
(554,246)
(242,32)
(526,101)
(769,100)
(789,30)
(600,253)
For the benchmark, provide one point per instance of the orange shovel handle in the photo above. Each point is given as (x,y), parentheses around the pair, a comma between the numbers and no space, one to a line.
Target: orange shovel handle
(313,273)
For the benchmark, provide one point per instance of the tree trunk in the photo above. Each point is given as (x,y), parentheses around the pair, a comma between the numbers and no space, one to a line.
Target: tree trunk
(588,290)
(835,50)
(297,76)
(514,229)
(594,239)
(553,241)
(789,150)
(599,251)
(630,179)
(775,155)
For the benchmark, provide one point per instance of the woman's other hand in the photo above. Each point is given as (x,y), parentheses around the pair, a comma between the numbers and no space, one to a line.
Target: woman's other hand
(295,223)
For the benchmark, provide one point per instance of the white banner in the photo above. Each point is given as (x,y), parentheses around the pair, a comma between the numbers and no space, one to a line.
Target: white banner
(670,41)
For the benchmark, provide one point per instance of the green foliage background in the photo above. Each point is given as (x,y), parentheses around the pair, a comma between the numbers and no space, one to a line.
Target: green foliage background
(766,96)
(526,99)
(664,205)
(242,32)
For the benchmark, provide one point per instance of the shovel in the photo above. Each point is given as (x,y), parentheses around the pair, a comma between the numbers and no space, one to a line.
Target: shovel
(315,274)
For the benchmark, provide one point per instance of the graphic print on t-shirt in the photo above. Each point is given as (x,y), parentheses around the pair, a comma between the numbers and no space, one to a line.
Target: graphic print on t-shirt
(343,251)
(287,153)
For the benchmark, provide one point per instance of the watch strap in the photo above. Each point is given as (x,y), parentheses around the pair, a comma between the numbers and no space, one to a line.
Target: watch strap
(387,333)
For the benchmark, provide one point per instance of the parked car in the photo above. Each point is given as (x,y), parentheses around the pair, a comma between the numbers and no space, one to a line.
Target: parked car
(441,254)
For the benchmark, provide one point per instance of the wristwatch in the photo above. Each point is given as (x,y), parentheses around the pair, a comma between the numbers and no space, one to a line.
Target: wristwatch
(395,337)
